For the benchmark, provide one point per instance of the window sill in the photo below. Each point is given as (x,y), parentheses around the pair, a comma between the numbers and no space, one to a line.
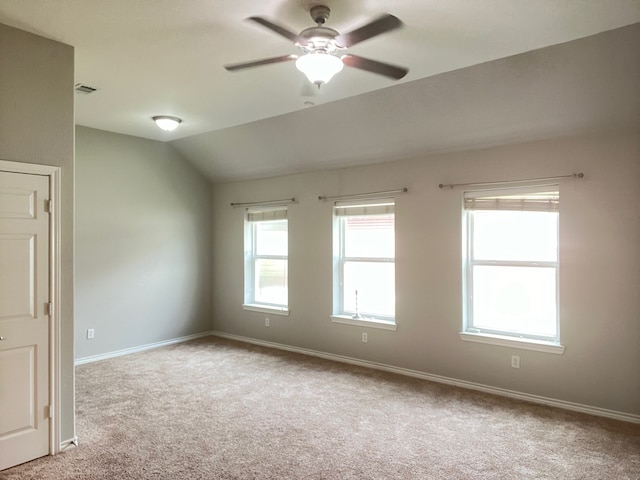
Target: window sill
(522,343)
(266,309)
(366,322)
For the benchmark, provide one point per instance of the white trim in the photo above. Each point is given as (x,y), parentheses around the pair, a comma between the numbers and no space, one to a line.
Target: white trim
(251,257)
(252,307)
(522,343)
(552,402)
(55,214)
(55,189)
(365,322)
(32,168)
(69,444)
(340,259)
(140,348)
(469,264)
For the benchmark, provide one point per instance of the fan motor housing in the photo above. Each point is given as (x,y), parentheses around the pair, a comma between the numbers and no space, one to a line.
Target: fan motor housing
(318,38)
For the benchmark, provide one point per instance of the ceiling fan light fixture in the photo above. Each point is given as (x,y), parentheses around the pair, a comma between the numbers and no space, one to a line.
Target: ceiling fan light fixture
(319,67)
(166,122)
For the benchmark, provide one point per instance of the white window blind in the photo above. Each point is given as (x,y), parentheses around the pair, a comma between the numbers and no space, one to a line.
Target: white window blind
(371,207)
(261,214)
(536,200)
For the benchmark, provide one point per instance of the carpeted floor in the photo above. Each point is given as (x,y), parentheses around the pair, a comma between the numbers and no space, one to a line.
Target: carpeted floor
(217,409)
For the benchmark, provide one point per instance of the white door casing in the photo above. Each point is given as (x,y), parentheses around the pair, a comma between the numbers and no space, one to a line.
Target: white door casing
(25,309)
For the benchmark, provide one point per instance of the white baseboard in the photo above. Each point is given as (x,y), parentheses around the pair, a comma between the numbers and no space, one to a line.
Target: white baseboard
(141,348)
(552,402)
(68,444)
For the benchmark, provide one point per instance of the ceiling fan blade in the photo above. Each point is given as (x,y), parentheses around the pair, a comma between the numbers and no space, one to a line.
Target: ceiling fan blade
(288,34)
(374,66)
(381,25)
(257,63)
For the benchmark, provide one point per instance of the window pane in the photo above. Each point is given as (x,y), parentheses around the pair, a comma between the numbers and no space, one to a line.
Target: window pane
(515,299)
(271,281)
(370,236)
(271,237)
(375,284)
(508,235)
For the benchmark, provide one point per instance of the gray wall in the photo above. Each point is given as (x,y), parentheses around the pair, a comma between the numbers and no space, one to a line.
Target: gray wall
(143,244)
(36,126)
(599,284)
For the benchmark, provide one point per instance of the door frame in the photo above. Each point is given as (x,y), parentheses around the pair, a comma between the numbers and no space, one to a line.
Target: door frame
(54,174)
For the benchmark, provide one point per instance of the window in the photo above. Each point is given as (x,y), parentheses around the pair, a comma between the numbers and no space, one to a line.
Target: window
(511,274)
(266,259)
(364,262)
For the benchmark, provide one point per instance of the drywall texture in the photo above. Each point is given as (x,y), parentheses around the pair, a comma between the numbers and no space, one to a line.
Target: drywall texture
(599,273)
(36,126)
(143,243)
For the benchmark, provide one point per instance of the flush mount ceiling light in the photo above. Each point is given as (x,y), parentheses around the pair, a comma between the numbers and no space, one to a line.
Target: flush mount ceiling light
(166,122)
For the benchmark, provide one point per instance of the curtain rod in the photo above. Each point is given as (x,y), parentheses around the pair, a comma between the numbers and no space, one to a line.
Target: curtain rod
(284,201)
(369,194)
(454,185)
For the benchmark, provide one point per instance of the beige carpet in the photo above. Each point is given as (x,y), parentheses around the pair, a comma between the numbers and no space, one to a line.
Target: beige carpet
(217,409)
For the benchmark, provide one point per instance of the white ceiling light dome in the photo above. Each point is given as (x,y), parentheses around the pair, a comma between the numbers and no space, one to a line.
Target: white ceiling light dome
(319,67)
(166,122)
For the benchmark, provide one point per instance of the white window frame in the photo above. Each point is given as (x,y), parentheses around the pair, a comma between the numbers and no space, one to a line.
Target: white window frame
(340,315)
(260,215)
(498,337)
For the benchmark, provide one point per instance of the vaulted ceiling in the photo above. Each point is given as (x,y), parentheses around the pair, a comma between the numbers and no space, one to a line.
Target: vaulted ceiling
(481,72)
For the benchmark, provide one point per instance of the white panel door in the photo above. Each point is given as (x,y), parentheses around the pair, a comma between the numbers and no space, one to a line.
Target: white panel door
(24,318)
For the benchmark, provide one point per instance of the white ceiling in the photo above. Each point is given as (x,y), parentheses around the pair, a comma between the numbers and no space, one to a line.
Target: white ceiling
(151,57)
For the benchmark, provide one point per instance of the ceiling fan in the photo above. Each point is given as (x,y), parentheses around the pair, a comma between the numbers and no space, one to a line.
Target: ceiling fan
(320,45)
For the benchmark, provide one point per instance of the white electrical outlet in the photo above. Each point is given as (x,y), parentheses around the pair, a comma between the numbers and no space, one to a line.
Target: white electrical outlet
(267,322)
(515,361)
(365,338)
(91,333)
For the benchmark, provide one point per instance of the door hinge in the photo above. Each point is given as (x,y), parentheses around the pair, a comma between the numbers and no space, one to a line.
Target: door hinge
(49,308)
(48,206)
(48,412)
